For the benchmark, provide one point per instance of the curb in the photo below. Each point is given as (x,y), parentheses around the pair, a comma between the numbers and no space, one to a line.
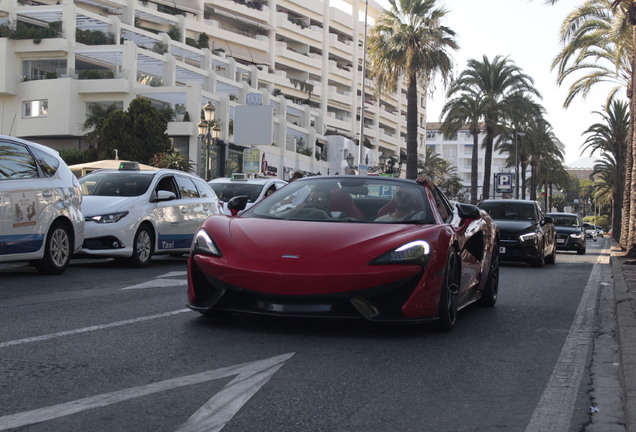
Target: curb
(625,291)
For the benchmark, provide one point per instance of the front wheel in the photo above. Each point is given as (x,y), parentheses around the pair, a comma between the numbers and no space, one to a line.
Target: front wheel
(489,296)
(449,293)
(143,247)
(540,258)
(57,251)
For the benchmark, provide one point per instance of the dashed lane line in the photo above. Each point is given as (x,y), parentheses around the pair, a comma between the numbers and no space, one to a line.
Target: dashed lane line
(90,329)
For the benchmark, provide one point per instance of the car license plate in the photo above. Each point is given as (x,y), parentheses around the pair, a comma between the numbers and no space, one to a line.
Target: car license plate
(502,249)
(560,240)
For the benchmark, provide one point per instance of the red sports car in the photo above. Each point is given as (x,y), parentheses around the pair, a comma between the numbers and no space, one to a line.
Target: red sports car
(379,248)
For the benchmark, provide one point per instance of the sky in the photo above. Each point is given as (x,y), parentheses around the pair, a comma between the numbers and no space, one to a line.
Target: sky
(528,33)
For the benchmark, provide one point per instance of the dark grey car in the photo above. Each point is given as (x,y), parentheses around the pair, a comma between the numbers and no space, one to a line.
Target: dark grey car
(527,233)
(570,233)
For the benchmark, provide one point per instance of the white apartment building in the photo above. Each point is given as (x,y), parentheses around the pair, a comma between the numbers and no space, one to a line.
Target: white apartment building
(298,61)
(458,151)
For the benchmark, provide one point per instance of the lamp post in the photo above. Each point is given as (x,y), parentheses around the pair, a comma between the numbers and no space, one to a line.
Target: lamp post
(362,86)
(209,132)
(382,161)
(349,159)
(517,163)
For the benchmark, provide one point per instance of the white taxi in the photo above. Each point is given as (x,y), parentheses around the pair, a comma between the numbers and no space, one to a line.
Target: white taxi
(40,217)
(134,214)
(255,189)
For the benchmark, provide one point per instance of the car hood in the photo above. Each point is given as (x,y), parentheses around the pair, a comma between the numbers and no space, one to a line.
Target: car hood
(317,241)
(514,226)
(93,205)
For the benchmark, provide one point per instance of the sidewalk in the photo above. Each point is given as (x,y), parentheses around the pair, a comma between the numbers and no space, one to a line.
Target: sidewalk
(624,271)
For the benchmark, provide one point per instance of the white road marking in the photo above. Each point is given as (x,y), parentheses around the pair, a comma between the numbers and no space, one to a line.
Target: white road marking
(161,281)
(173,274)
(157,283)
(89,329)
(554,410)
(211,417)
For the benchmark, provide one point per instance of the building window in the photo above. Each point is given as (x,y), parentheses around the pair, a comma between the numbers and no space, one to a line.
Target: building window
(36,108)
(43,69)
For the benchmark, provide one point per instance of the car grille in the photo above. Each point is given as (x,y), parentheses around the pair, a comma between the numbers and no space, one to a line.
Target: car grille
(107,242)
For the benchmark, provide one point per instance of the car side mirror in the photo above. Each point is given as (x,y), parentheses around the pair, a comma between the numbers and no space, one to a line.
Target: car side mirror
(164,195)
(237,204)
(468,211)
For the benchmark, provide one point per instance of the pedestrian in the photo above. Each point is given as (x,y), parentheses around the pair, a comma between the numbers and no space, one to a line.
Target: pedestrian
(296,175)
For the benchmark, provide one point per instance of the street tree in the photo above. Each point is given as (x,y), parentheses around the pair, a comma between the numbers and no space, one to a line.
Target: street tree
(138,133)
(602,34)
(409,42)
(496,81)
(466,110)
(609,138)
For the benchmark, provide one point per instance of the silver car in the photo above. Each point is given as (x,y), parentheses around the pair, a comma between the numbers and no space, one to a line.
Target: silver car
(40,201)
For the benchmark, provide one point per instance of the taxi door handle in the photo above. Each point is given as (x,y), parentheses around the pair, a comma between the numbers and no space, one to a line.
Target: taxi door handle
(47,193)
(184,210)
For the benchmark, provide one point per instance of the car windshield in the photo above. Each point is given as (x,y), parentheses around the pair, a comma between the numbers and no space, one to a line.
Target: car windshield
(509,210)
(227,191)
(565,220)
(115,184)
(356,199)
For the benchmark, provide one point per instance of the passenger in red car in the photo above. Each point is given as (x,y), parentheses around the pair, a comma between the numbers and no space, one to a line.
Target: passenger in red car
(404,200)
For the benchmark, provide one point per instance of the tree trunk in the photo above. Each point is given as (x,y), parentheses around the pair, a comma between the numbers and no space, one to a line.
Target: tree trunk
(630,246)
(474,167)
(411,128)
(487,160)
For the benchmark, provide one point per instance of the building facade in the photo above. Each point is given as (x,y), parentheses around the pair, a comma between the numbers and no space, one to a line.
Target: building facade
(458,150)
(298,61)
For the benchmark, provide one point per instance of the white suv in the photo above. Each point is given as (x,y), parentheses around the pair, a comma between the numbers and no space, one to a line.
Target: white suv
(590,231)
(132,214)
(40,199)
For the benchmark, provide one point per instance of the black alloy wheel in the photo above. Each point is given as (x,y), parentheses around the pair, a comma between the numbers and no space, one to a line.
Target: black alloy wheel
(449,292)
(489,296)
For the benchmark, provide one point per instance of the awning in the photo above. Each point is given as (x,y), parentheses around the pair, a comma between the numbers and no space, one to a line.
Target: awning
(243,52)
(188,5)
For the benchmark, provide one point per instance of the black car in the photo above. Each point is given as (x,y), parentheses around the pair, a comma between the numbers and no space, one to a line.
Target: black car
(527,234)
(570,233)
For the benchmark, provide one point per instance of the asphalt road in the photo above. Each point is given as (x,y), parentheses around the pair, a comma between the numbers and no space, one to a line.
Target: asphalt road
(108,348)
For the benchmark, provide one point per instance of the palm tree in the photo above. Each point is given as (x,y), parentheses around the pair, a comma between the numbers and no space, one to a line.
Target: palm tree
(409,42)
(620,36)
(522,114)
(432,165)
(95,117)
(610,138)
(546,154)
(467,109)
(496,82)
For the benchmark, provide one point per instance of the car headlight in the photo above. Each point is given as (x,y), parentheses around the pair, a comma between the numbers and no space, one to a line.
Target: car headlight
(576,235)
(108,218)
(416,252)
(203,244)
(528,236)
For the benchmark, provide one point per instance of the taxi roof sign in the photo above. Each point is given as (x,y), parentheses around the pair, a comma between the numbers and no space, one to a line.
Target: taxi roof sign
(128,165)
(239,176)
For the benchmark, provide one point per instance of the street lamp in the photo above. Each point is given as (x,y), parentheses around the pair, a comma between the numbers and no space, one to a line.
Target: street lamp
(382,161)
(209,132)
(517,163)
(349,168)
